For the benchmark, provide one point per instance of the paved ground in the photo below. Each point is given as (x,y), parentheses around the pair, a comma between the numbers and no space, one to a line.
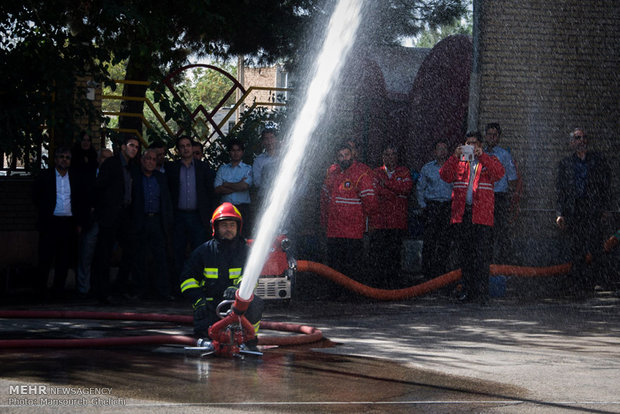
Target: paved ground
(423,355)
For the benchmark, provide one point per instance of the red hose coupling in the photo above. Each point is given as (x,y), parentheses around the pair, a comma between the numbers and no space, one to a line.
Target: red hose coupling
(241,305)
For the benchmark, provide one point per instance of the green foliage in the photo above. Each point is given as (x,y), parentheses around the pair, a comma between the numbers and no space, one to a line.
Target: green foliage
(434,35)
(388,21)
(252,123)
(45,45)
(40,58)
(208,87)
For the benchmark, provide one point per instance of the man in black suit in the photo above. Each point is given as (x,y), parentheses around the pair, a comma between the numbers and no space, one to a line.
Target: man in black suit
(113,214)
(152,221)
(193,201)
(57,197)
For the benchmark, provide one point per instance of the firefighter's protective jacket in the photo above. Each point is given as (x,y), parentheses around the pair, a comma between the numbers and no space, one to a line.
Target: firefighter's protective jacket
(212,267)
(457,172)
(347,198)
(392,198)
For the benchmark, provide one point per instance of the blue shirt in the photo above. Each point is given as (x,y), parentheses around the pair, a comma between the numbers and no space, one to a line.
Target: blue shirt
(510,173)
(188,199)
(228,173)
(260,162)
(152,194)
(430,186)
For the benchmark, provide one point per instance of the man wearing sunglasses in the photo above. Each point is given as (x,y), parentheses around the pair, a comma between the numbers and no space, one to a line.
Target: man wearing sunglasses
(582,205)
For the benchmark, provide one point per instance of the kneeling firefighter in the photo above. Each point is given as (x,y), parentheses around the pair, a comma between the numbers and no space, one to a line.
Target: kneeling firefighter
(213,272)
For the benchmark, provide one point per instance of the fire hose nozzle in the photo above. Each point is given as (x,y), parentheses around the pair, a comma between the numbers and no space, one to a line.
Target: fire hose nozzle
(204,347)
(241,305)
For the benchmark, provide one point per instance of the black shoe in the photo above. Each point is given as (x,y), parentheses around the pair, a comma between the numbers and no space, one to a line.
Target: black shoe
(463,297)
(108,301)
(252,345)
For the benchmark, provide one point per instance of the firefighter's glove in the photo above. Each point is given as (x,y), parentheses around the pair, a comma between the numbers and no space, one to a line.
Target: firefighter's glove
(229,293)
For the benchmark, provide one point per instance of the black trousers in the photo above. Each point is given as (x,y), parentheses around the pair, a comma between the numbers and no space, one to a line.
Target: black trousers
(385,255)
(151,258)
(345,256)
(474,244)
(121,232)
(436,247)
(586,237)
(57,246)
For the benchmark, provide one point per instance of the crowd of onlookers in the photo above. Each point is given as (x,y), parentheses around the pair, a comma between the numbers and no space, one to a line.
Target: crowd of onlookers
(139,212)
(158,210)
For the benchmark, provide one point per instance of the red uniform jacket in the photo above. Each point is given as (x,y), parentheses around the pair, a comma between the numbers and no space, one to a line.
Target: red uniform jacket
(457,172)
(393,194)
(347,197)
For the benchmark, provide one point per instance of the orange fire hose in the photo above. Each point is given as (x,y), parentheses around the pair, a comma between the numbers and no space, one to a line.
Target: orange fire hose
(308,333)
(417,290)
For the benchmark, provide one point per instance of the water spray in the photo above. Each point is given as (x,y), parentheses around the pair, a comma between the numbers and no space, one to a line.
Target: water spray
(230,333)
(341,32)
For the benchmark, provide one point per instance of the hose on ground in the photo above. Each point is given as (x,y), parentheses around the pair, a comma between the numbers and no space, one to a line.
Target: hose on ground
(308,333)
(425,287)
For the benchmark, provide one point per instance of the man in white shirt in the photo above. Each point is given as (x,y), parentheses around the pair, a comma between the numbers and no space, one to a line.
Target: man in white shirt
(56,196)
(264,169)
(233,181)
(265,160)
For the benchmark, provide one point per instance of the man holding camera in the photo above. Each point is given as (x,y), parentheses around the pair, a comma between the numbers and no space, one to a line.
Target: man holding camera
(472,173)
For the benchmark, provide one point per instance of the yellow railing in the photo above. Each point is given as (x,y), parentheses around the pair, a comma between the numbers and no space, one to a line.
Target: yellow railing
(161,120)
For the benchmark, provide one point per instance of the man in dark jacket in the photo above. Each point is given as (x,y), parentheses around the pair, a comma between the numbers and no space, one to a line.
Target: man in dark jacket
(213,272)
(113,215)
(57,197)
(583,202)
(191,190)
(152,222)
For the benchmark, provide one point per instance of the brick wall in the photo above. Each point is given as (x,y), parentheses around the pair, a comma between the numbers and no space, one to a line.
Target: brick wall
(264,76)
(547,67)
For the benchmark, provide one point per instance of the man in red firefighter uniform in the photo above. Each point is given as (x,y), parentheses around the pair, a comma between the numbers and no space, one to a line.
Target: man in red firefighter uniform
(388,226)
(472,176)
(213,272)
(348,196)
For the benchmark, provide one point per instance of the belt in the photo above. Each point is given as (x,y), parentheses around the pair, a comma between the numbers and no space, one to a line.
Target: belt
(151,214)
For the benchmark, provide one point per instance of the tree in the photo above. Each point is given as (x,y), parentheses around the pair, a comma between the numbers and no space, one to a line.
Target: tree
(390,20)
(432,36)
(45,44)
(40,58)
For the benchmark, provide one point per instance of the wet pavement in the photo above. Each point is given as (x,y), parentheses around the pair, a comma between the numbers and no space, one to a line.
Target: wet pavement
(423,355)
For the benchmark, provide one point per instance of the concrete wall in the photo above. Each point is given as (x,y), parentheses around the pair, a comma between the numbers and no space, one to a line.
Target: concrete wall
(547,67)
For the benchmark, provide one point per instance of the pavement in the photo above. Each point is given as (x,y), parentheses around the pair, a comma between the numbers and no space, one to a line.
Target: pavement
(515,355)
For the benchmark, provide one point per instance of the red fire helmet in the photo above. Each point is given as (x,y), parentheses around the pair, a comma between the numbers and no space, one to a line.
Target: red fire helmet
(226,211)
